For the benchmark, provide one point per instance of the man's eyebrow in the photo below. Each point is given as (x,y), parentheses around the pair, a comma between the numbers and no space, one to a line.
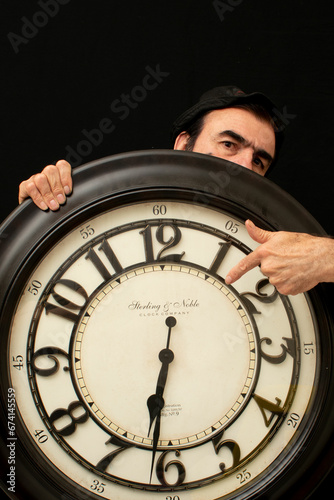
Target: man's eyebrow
(234,135)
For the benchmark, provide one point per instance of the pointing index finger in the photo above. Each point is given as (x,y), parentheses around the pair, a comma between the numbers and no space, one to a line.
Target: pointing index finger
(244,265)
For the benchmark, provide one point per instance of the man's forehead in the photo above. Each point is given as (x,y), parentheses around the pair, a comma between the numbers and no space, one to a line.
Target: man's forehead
(242,122)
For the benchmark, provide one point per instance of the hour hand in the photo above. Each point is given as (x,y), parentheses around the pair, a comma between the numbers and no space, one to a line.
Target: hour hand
(156,402)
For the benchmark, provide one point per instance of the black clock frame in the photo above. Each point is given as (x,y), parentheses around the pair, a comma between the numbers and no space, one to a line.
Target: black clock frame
(152,175)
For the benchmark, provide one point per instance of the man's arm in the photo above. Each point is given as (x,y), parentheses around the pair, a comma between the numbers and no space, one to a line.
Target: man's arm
(49,188)
(293,262)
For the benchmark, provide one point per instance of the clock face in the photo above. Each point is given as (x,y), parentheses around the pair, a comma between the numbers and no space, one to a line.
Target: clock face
(138,373)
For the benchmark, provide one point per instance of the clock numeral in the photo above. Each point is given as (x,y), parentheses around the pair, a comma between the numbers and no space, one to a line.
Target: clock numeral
(308,348)
(110,254)
(290,348)
(87,231)
(104,463)
(34,287)
(220,256)
(41,436)
(67,305)
(71,412)
(293,420)
(60,311)
(259,295)
(19,362)
(50,353)
(243,476)
(231,226)
(265,405)
(161,468)
(97,486)
(172,241)
(159,210)
(232,446)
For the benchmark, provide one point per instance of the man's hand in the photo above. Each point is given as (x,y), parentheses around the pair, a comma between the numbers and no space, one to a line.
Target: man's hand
(293,262)
(49,188)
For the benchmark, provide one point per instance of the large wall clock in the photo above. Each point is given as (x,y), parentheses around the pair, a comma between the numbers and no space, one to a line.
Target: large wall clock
(131,370)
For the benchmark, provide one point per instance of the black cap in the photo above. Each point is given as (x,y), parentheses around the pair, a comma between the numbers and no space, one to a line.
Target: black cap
(224,97)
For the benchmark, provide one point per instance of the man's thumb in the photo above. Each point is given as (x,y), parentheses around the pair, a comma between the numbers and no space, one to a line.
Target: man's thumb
(257,234)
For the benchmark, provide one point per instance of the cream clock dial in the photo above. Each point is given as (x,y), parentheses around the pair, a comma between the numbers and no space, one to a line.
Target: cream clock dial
(139,373)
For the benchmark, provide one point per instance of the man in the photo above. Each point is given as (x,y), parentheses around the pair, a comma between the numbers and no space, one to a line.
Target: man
(242,128)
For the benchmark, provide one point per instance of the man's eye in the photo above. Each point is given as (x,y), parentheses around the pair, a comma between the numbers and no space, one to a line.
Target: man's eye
(228,144)
(258,163)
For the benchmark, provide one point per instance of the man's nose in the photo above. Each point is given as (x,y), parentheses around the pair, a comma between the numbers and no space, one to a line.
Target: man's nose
(244,158)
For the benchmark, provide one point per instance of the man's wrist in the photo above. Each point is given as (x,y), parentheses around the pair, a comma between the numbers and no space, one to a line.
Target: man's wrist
(326,260)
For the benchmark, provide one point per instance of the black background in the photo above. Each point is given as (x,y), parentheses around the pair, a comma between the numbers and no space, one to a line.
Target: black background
(64,64)
(61,73)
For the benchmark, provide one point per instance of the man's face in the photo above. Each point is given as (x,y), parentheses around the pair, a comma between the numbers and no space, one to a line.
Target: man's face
(236,135)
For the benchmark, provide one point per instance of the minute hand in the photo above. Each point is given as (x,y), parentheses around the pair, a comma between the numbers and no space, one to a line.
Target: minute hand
(166,356)
(155,402)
